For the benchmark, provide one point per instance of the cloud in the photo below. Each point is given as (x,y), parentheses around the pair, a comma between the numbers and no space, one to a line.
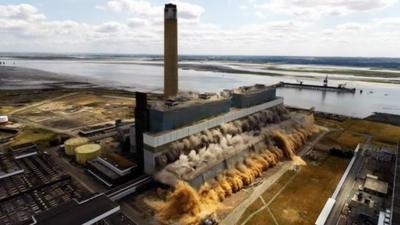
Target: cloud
(26,28)
(110,27)
(21,12)
(137,22)
(144,8)
(313,9)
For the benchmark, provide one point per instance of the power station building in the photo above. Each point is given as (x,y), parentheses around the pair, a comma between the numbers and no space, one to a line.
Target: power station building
(166,123)
(179,125)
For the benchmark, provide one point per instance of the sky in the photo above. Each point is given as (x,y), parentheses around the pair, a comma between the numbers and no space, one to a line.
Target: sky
(366,28)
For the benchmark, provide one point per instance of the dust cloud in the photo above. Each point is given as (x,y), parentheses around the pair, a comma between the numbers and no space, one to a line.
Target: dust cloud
(266,147)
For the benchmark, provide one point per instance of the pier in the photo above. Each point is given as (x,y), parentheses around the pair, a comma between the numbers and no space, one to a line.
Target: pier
(316,87)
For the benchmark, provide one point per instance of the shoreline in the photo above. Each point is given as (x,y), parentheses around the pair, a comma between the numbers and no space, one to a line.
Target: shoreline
(334,74)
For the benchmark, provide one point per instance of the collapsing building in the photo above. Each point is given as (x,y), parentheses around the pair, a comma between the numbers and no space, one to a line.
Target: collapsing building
(195,137)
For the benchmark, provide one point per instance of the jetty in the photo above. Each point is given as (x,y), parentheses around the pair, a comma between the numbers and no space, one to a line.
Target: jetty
(325,87)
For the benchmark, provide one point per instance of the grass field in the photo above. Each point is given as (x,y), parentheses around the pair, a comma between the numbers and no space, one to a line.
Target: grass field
(297,198)
(261,218)
(381,132)
(354,129)
(41,137)
(6,109)
(345,139)
(303,199)
(253,207)
(267,196)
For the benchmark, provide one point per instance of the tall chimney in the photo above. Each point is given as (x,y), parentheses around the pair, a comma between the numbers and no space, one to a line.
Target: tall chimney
(170,51)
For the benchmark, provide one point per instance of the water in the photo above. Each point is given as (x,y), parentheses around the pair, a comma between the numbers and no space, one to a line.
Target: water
(376,97)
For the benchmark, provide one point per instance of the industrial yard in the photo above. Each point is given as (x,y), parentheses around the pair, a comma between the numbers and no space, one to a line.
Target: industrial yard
(75,110)
(31,183)
(84,154)
(299,155)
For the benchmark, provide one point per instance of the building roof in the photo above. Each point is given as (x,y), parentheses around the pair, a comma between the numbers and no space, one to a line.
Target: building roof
(78,213)
(376,185)
(3,119)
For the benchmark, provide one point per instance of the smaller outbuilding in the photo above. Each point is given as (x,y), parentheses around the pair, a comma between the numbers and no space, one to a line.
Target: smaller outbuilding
(374,186)
(3,119)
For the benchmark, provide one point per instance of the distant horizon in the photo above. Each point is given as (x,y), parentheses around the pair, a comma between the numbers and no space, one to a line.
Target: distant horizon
(309,28)
(218,55)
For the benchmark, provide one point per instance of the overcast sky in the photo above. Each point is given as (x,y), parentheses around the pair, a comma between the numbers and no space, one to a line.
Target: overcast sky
(212,27)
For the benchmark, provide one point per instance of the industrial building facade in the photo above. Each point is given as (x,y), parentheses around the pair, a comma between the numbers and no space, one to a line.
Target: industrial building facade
(157,128)
(156,144)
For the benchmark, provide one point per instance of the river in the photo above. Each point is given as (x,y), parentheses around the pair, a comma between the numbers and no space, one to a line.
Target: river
(376,97)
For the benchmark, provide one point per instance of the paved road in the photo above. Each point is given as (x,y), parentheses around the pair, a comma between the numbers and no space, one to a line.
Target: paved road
(347,190)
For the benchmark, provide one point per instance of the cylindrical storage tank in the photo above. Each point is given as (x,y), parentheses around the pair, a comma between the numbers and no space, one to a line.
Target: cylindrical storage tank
(87,152)
(71,144)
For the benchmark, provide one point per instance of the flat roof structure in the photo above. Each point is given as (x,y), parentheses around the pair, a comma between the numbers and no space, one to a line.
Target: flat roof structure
(78,213)
(376,185)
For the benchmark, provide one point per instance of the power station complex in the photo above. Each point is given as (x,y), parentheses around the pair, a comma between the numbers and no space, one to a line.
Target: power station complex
(206,145)
(189,124)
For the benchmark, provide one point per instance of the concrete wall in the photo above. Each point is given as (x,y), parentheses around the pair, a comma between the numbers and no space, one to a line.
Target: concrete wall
(250,99)
(156,140)
(153,143)
(182,116)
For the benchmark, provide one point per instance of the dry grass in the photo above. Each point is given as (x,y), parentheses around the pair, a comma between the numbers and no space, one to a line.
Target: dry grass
(38,136)
(6,109)
(345,139)
(382,132)
(267,196)
(270,192)
(302,200)
(253,207)
(342,139)
(261,218)
(327,122)
(80,109)
(350,140)
(356,128)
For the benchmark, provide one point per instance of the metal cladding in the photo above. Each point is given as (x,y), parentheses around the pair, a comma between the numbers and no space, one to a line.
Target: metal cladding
(170,51)
(245,100)
(161,120)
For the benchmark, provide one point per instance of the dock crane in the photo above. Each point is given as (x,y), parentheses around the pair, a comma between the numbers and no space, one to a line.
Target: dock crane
(326,81)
